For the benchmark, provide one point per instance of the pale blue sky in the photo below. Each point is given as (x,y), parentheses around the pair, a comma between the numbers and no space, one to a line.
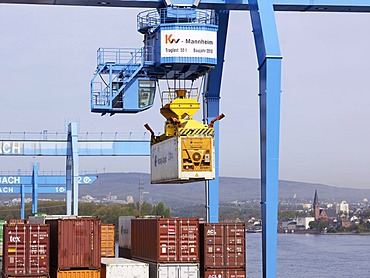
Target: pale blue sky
(48,56)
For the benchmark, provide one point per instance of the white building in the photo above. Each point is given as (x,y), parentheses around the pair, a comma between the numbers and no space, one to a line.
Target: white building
(342,208)
(304,221)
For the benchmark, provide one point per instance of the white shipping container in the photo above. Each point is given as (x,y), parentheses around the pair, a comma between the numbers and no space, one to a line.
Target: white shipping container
(179,270)
(36,219)
(166,162)
(121,267)
(124,237)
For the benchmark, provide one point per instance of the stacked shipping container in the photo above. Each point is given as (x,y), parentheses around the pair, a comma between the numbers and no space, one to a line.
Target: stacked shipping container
(26,250)
(124,237)
(165,240)
(107,242)
(223,250)
(76,247)
(169,245)
(122,267)
(2,222)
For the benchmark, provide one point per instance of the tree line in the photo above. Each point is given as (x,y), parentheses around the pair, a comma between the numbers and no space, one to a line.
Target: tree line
(107,213)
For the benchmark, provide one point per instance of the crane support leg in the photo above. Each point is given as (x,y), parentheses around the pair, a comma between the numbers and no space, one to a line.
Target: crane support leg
(35,183)
(23,200)
(269,61)
(72,166)
(213,110)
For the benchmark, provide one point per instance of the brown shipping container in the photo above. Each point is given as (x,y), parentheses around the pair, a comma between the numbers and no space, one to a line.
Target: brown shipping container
(26,276)
(26,250)
(54,273)
(223,245)
(75,243)
(224,273)
(107,240)
(164,240)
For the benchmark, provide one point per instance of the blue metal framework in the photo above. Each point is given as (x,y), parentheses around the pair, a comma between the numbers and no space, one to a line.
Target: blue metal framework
(72,148)
(269,59)
(36,184)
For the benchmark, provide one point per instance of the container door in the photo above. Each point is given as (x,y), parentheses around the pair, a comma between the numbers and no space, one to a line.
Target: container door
(188,271)
(168,271)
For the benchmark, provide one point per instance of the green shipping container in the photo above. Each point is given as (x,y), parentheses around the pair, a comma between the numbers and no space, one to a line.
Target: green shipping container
(2,222)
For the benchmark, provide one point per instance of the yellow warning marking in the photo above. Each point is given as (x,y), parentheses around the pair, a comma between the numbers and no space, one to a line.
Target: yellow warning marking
(195,131)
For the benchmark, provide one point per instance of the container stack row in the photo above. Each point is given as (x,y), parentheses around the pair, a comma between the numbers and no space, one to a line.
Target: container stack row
(184,247)
(56,247)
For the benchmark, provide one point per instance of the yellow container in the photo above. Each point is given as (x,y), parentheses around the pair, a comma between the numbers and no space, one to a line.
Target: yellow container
(54,273)
(107,240)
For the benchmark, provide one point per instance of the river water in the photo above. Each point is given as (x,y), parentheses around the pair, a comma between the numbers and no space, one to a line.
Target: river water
(301,256)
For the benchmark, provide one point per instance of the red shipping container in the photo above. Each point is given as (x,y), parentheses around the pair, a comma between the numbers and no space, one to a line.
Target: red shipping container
(223,245)
(224,273)
(26,250)
(75,243)
(164,240)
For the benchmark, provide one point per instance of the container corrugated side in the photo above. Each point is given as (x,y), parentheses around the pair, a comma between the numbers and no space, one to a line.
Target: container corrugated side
(124,236)
(107,240)
(26,249)
(38,248)
(222,245)
(54,273)
(14,257)
(75,243)
(224,273)
(121,267)
(235,251)
(173,270)
(164,240)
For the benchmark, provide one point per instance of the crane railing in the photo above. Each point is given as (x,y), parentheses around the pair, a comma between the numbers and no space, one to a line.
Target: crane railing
(153,18)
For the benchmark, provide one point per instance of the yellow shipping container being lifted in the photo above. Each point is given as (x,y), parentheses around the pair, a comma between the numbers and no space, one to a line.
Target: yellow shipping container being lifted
(185,151)
(107,240)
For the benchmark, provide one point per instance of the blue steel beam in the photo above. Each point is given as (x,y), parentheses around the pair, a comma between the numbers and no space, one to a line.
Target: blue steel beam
(269,61)
(72,166)
(35,184)
(85,148)
(23,198)
(213,110)
(43,180)
(28,189)
(279,5)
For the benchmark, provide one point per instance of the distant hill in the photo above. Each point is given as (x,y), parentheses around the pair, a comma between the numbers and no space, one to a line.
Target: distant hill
(230,189)
(181,195)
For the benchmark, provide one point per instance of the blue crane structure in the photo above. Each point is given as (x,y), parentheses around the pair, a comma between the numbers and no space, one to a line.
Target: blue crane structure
(262,13)
(35,184)
(72,148)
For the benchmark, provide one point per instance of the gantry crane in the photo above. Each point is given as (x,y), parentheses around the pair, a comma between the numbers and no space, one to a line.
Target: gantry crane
(180,46)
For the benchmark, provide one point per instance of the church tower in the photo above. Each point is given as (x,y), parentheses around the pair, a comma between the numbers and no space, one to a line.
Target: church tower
(316,206)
